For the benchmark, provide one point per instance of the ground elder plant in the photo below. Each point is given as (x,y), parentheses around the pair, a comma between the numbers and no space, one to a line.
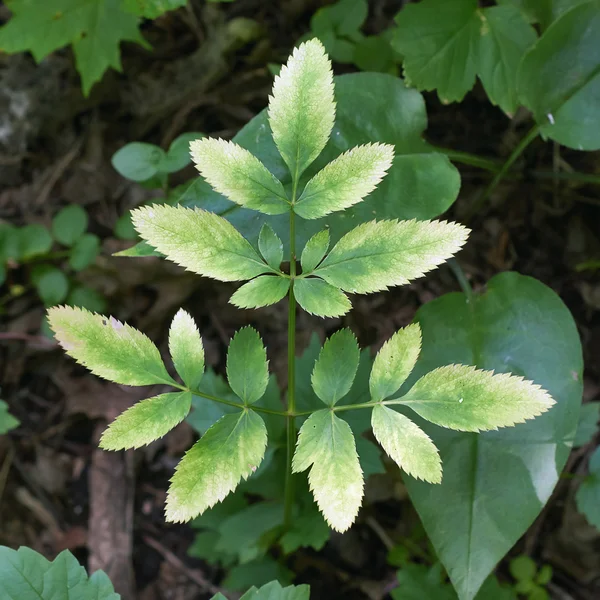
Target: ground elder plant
(317,278)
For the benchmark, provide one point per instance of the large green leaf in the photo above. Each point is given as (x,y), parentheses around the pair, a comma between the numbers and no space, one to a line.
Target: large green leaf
(27,575)
(496,483)
(420,184)
(559,78)
(229,451)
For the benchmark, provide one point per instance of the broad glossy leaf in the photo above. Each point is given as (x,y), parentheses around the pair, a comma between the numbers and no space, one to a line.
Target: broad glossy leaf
(270,246)
(200,241)
(504,38)
(27,575)
(317,297)
(345,181)
(314,251)
(336,367)
(229,451)
(468,399)
(588,494)
(495,483)
(381,254)
(239,176)
(420,184)
(326,446)
(559,78)
(262,291)
(7,421)
(247,366)
(302,108)
(187,350)
(107,347)
(147,421)
(438,41)
(394,362)
(406,444)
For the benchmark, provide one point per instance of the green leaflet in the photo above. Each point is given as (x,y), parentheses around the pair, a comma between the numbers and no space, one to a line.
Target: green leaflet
(230,450)
(7,421)
(147,421)
(69,224)
(326,446)
(200,241)
(302,108)
(270,246)
(588,424)
(394,362)
(345,181)
(262,291)
(107,347)
(406,444)
(587,496)
(95,30)
(27,575)
(247,366)
(314,251)
(319,298)
(187,350)
(468,399)
(559,78)
(138,161)
(380,254)
(239,176)
(336,367)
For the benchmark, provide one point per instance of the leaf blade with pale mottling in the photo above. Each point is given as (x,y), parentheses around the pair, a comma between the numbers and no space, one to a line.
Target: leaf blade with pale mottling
(247,365)
(314,251)
(270,246)
(262,291)
(319,298)
(187,350)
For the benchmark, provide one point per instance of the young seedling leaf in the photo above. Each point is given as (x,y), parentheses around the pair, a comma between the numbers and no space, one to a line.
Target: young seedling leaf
(438,41)
(406,444)
(336,367)
(262,291)
(587,496)
(179,155)
(33,240)
(84,251)
(138,161)
(27,575)
(239,175)
(51,284)
(7,421)
(319,298)
(380,254)
(302,108)
(69,224)
(231,450)
(394,362)
(345,181)
(147,421)
(107,347)
(187,350)
(468,399)
(270,246)
(247,365)
(314,251)
(200,241)
(326,446)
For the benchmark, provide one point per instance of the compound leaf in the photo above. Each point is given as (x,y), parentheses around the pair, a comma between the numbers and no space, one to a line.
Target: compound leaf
(147,421)
(302,108)
(107,347)
(345,181)
(468,399)
(262,291)
(247,365)
(438,41)
(326,446)
(317,297)
(270,246)
(314,251)
(559,78)
(187,350)
(27,575)
(380,254)
(239,176)
(7,421)
(587,496)
(394,362)
(200,241)
(406,444)
(335,369)
(229,451)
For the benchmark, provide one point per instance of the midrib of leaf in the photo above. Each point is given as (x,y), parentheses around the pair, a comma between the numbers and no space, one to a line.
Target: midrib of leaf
(18,570)
(160,408)
(576,89)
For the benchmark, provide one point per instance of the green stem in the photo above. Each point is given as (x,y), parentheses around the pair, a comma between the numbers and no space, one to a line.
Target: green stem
(472,160)
(487,192)
(465,286)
